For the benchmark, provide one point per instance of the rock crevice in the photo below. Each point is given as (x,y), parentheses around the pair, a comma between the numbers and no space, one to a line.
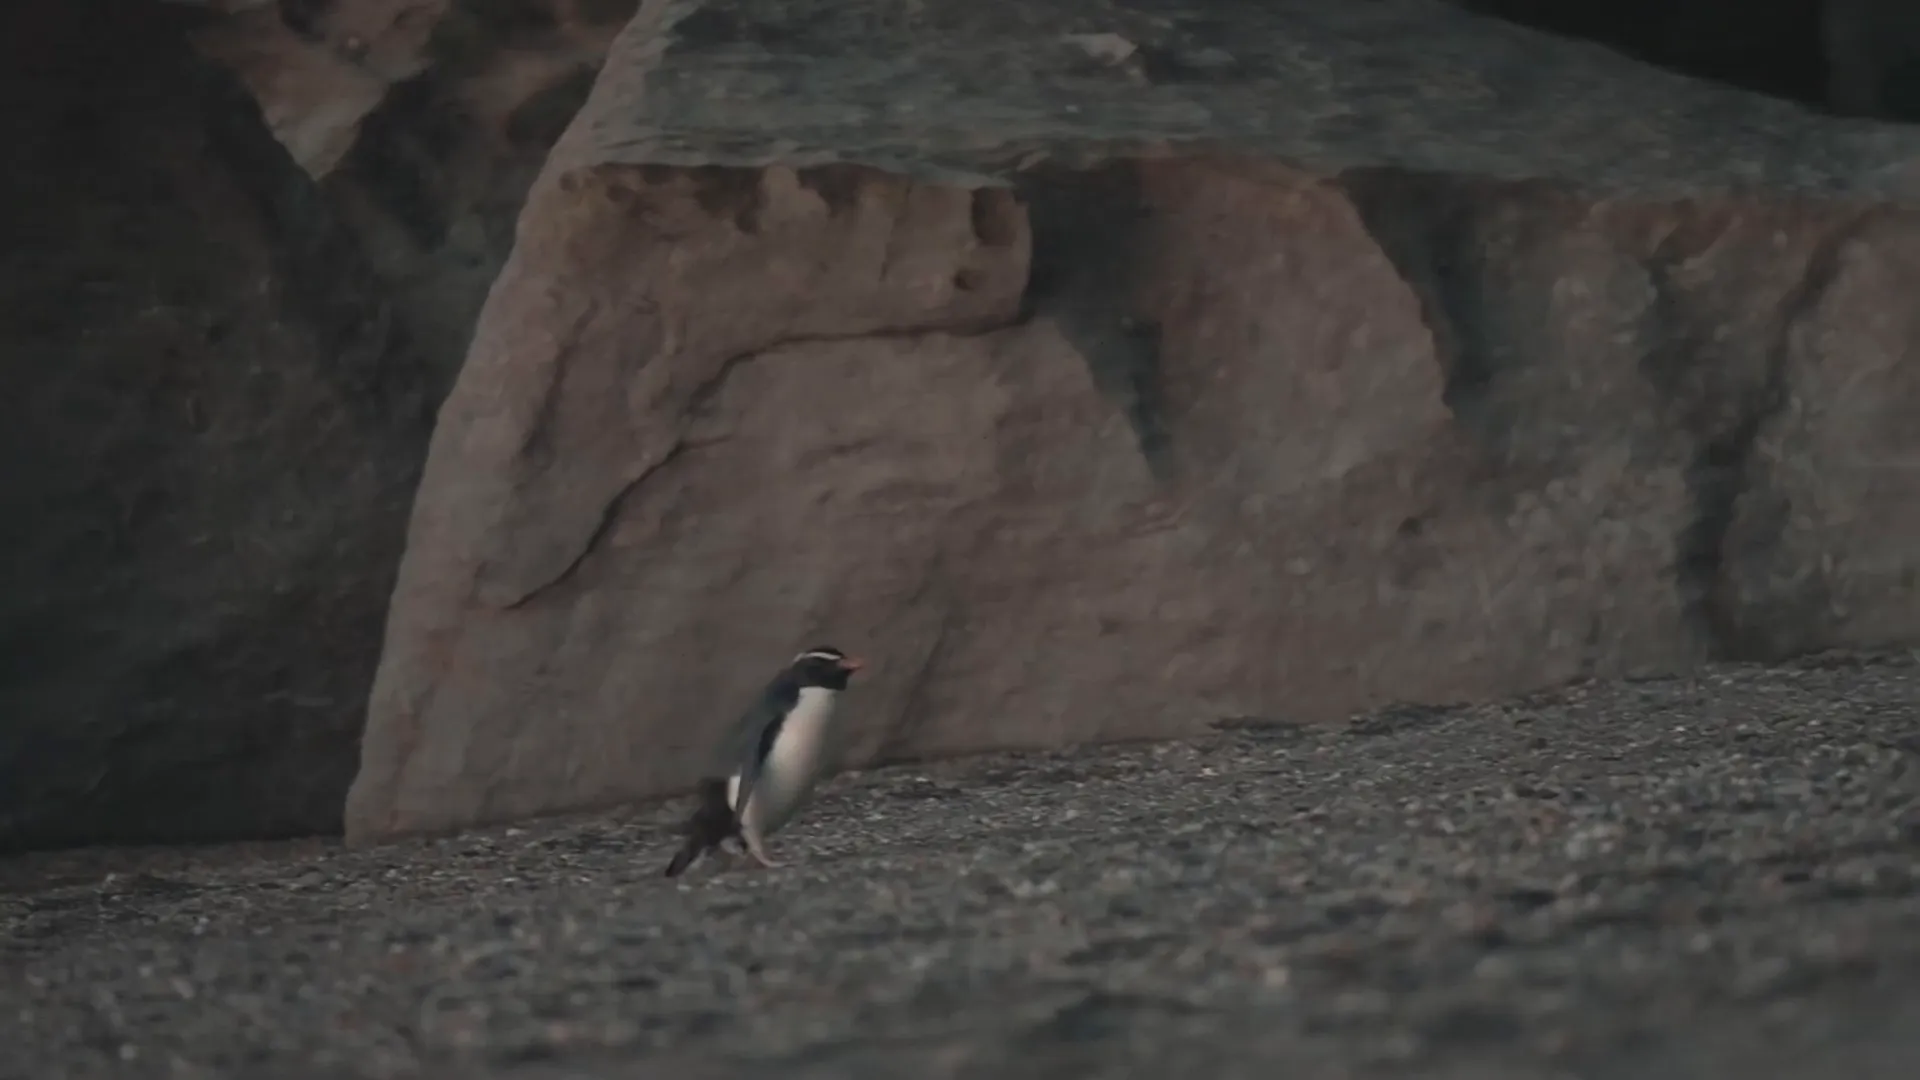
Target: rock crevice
(1726,462)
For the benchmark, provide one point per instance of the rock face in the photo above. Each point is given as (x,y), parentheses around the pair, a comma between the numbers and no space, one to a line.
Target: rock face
(1301,403)
(222,357)
(1103,372)
(210,438)
(424,121)
(319,67)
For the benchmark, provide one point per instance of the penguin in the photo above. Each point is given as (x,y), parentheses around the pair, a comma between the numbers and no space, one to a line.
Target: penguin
(769,761)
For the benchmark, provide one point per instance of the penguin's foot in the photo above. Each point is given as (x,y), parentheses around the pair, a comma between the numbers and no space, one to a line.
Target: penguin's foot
(758,850)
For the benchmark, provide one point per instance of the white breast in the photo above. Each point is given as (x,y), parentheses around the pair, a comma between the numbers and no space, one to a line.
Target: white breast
(793,766)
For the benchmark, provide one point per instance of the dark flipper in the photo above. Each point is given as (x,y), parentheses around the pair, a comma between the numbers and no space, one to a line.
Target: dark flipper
(711,823)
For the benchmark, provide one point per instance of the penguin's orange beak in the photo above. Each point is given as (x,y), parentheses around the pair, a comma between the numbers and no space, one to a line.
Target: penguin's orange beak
(852,663)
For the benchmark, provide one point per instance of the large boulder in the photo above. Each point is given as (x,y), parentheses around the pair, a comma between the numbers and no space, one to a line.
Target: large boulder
(1103,372)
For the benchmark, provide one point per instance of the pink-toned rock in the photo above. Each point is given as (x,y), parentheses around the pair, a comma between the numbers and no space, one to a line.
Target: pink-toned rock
(1100,401)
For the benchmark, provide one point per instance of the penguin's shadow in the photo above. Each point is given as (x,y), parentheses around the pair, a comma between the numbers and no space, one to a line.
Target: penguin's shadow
(928,792)
(743,869)
(737,866)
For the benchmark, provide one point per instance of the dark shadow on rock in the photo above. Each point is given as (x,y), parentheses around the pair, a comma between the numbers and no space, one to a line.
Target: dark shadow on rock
(1429,226)
(1086,230)
(211,434)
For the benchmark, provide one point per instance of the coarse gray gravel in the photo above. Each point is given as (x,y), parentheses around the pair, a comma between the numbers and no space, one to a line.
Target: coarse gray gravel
(1704,877)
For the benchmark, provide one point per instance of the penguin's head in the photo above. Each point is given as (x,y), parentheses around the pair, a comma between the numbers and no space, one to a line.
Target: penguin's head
(824,666)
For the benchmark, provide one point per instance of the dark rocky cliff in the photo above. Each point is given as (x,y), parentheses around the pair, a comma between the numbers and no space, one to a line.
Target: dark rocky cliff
(211,435)
(218,372)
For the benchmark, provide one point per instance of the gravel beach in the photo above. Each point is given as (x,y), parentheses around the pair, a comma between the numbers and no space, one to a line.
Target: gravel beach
(1701,877)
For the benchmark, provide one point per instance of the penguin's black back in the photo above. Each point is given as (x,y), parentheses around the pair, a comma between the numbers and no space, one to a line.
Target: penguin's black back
(780,698)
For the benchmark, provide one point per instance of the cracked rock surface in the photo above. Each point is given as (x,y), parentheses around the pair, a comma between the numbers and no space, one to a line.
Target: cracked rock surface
(1092,395)
(1713,876)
